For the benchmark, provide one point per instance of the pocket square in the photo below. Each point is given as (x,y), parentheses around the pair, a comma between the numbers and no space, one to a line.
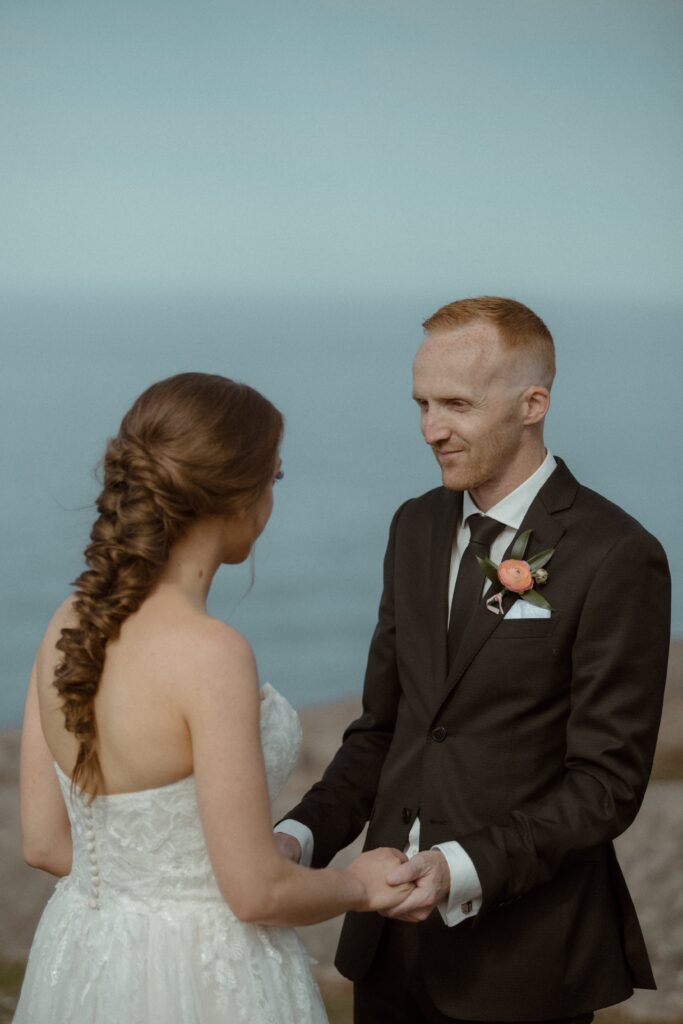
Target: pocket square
(523,610)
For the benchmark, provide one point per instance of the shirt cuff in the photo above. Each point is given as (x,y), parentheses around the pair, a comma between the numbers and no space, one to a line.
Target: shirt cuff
(303,834)
(465,896)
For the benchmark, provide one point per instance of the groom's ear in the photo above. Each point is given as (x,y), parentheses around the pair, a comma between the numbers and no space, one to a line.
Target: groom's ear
(535,404)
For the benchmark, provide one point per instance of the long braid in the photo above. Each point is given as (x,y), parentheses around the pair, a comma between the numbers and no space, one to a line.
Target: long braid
(129,545)
(192,445)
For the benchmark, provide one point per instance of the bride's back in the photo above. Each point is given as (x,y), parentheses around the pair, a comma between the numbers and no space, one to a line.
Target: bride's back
(142,736)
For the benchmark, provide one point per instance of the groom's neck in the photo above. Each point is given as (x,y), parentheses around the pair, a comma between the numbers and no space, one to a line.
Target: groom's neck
(513,476)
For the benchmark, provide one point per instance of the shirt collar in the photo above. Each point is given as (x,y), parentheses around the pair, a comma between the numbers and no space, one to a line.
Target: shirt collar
(511,509)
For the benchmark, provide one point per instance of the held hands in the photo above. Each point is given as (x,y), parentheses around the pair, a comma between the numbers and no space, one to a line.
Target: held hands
(371,870)
(429,877)
(407,890)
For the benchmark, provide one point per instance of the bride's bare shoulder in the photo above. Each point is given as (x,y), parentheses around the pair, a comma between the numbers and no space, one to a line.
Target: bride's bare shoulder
(64,617)
(213,639)
(209,654)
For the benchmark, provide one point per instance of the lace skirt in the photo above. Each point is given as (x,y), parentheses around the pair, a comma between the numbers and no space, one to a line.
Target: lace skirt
(181,962)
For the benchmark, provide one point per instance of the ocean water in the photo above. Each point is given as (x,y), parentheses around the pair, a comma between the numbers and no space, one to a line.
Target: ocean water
(339,368)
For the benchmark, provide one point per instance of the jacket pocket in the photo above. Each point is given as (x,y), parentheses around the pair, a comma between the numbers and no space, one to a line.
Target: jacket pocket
(511,629)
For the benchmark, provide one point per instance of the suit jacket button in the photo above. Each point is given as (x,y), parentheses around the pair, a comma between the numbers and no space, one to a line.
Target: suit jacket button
(439,734)
(407,815)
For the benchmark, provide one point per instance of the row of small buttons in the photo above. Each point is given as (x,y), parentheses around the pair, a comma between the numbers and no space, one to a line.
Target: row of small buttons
(94,901)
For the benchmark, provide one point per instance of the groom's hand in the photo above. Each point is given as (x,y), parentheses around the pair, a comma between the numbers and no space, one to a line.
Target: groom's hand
(429,871)
(288,847)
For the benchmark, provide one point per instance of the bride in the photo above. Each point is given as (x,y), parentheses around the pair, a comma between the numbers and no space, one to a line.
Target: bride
(150,756)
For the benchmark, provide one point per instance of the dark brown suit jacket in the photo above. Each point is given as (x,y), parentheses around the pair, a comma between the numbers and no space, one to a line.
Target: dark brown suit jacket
(533,752)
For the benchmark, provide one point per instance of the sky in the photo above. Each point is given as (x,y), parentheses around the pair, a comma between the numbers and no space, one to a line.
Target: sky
(364,145)
(281,191)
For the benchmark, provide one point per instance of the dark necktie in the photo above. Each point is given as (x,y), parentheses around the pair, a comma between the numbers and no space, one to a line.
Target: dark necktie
(469,583)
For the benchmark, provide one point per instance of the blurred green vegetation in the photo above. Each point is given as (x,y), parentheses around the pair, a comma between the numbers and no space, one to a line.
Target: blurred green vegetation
(11,975)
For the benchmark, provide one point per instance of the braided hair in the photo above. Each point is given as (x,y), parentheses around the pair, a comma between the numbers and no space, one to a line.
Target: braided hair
(192,445)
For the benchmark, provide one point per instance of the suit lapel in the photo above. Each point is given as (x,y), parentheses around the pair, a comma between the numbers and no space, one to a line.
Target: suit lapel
(557,493)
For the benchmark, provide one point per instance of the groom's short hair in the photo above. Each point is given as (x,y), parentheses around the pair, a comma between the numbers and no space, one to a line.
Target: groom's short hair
(518,328)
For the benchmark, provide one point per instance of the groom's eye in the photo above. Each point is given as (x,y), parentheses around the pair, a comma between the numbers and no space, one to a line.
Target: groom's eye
(280,475)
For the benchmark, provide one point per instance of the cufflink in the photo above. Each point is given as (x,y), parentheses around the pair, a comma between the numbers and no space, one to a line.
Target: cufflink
(466,908)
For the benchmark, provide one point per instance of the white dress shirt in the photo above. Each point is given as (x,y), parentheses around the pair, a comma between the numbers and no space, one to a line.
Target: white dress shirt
(465,896)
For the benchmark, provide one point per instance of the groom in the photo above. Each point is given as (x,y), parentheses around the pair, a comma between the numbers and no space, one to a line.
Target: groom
(509,739)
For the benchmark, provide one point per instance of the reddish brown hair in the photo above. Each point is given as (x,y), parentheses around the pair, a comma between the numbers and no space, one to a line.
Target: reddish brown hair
(518,328)
(192,445)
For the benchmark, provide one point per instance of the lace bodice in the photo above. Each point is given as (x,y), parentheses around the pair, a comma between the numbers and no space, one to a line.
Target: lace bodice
(148,846)
(139,931)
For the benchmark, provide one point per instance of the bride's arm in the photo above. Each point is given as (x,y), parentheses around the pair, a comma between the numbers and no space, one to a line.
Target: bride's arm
(45,829)
(221,707)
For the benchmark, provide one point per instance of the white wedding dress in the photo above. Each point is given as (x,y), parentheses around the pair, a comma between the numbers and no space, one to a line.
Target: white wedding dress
(139,933)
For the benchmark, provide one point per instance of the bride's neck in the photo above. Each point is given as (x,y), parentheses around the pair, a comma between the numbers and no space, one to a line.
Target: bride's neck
(192,564)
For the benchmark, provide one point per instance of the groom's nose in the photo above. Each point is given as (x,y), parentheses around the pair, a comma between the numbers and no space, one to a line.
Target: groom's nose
(434,427)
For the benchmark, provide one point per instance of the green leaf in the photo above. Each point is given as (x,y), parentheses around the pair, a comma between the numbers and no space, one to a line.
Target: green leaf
(489,568)
(533,597)
(521,544)
(539,560)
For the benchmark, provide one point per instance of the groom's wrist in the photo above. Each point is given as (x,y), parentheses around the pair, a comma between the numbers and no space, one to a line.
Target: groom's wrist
(302,834)
(465,896)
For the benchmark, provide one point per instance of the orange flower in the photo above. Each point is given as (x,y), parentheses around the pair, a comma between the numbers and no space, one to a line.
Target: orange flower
(515,575)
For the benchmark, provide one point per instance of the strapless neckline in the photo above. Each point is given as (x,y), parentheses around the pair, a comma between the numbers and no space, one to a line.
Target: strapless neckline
(267,692)
(128,792)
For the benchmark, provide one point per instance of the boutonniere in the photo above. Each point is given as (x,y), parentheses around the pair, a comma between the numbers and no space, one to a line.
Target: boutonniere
(517,575)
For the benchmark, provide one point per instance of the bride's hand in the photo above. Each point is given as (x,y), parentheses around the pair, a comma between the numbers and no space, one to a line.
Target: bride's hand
(371,870)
